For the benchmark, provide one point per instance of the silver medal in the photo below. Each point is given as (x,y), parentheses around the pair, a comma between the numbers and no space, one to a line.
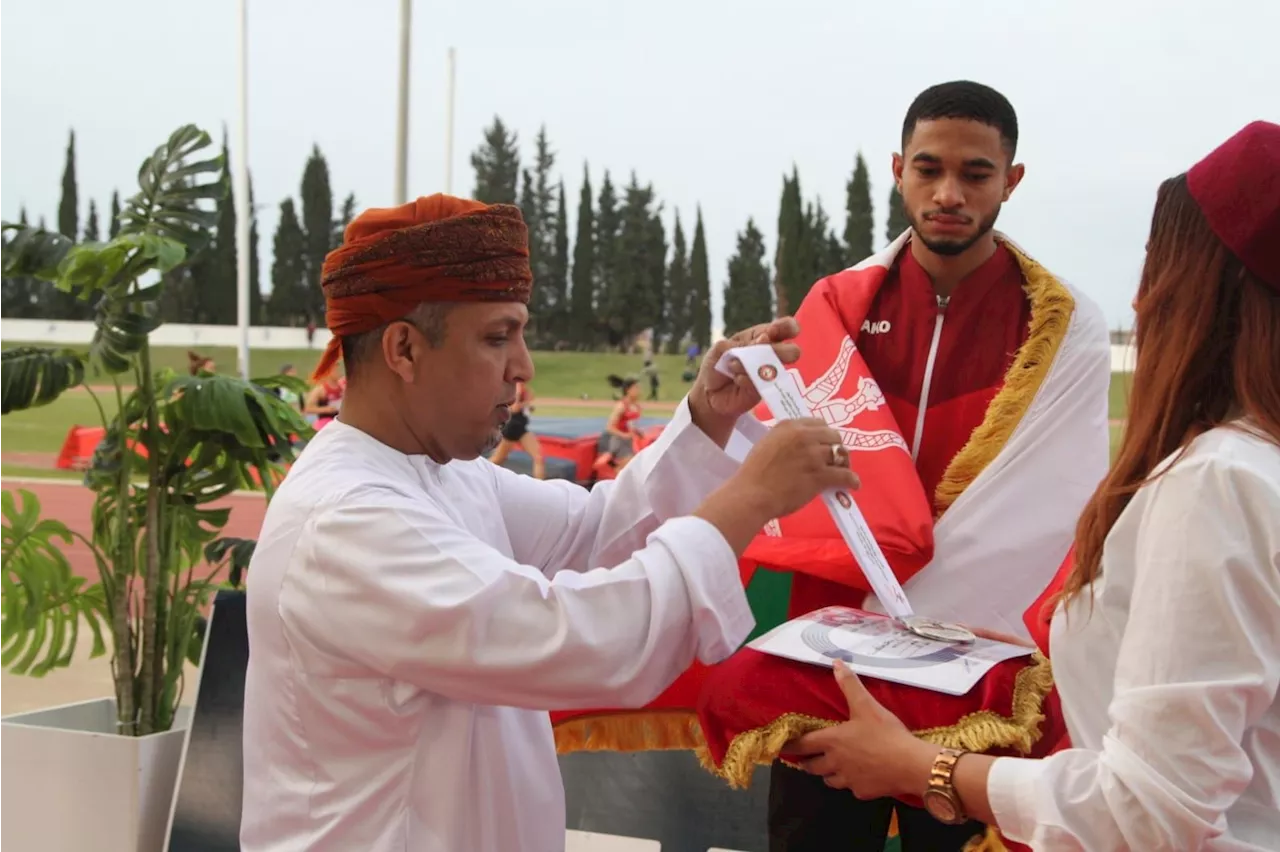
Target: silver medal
(939,631)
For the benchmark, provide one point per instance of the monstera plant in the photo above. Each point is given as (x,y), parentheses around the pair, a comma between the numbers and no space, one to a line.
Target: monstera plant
(174,446)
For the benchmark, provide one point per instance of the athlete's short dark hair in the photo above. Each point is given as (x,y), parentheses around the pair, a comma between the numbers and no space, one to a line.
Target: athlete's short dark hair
(965,100)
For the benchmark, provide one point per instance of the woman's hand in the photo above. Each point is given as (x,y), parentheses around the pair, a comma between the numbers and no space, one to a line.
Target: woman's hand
(873,754)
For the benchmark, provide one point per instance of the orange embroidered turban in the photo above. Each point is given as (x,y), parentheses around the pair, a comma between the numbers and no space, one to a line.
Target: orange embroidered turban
(436,249)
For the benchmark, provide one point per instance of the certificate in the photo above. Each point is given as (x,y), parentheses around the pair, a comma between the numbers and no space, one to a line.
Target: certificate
(878,646)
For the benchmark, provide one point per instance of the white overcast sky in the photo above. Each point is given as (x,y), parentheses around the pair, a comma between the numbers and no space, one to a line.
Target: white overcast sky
(710,100)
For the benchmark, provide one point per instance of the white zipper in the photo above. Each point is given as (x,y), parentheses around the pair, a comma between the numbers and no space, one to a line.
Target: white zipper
(928,377)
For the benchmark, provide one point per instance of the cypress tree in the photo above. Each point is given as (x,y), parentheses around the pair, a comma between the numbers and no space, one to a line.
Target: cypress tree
(679,292)
(792,270)
(10,288)
(582,313)
(539,300)
(860,224)
(808,260)
(62,305)
(113,227)
(317,226)
(69,205)
(344,219)
(91,233)
(538,207)
(257,310)
(828,255)
(608,230)
(747,298)
(559,281)
(218,292)
(657,297)
(634,301)
(700,287)
(180,300)
(289,302)
(833,253)
(529,211)
(897,221)
(544,197)
(497,165)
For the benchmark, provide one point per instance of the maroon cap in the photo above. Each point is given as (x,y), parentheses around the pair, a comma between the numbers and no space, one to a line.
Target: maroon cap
(1238,189)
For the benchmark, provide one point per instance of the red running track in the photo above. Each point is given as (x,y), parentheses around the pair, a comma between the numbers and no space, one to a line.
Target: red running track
(71,503)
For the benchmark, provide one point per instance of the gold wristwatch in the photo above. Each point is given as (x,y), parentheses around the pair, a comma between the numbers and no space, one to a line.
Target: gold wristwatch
(940,798)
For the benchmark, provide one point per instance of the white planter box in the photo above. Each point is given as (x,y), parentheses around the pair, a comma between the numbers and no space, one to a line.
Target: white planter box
(73,785)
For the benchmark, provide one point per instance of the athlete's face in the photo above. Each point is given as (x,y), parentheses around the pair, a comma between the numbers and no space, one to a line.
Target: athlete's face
(953,175)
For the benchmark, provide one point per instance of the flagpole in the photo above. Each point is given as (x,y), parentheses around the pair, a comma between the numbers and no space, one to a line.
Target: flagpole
(402,112)
(241,185)
(448,125)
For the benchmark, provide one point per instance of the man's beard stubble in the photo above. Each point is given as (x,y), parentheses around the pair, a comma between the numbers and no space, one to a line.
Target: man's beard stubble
(951,248)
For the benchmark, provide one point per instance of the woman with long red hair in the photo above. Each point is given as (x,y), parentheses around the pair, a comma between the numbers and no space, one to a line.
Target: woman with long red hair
(1165,639)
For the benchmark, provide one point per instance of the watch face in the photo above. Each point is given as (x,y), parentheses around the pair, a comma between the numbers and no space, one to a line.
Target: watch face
(939,807)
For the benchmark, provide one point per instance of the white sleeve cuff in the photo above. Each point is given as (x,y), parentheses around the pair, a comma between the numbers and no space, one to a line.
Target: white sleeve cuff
(696,442)
(1011,791)
(721,612)
(693,450)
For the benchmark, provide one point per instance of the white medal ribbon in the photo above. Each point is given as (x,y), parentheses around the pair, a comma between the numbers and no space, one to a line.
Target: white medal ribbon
(779,391)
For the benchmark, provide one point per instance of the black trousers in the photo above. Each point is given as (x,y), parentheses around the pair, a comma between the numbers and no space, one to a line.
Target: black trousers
(805,815)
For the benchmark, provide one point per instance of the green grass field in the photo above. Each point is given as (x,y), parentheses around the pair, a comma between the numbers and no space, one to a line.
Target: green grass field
(1118,403)
(560,376)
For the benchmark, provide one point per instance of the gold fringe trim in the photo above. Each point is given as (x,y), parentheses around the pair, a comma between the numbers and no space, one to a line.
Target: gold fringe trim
(639,730)
(980,731)
(1051,307)
(990,842)
(678,730)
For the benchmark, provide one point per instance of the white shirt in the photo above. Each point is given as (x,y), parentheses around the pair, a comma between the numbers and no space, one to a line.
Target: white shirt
(1169,685)
(410,625)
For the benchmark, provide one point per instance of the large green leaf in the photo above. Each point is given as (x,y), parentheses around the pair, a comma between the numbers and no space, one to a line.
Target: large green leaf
(237,551)
(44,601)
(114,268)
(212,403)
(33,376)
(247,412)
(173,186)
(168,221)
(121,333)
(121,438)
(33,252)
